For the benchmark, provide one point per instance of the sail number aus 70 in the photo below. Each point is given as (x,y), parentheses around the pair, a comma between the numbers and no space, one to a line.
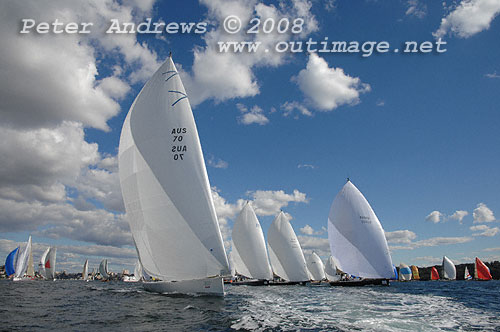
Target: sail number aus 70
(178,149)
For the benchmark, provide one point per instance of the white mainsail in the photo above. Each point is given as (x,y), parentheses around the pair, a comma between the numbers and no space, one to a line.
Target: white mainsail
(165,185)
(356,236)
(103,269)
(22,261)
(30,269)
(249,246)
(138,271)
(285,253)
(85,272)
(41,265)
(316,267)
(331,270)
(232,269)
(449,269)
(50,264)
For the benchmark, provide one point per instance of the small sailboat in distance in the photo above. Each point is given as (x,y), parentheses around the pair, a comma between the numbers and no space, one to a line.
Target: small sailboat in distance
(404,272)
(85,272)
(41,265)
(50,264)
(167,193)
(103,269)
(285,253)
(467,275)
(449,269)
(415,274)
(481,271)
(331,270)
(10,262)
(249,246)
(434,273)
(357,238)
(316,267)
(22,262)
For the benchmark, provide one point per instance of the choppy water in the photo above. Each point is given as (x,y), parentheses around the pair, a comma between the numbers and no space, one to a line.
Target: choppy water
(413,306)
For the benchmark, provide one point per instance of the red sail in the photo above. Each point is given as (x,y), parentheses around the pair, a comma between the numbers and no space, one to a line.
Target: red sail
(434,274)
(483,273)
(47,264)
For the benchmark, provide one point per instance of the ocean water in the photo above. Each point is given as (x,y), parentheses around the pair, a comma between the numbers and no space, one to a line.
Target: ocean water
(117,306)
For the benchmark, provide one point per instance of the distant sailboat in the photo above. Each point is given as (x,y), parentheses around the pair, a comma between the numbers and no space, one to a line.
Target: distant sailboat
(285,253)
(404,272)
(316,267)
(331,270)
(167,193)
(30,269)
(434,274)
(449,269)
(394,272)
(415,274)
(10,262)
(41,264)
(481,271)
(103,269)
(467,275)
(356,237)
(22,262)
(50,264)
(85,272)
(249,246)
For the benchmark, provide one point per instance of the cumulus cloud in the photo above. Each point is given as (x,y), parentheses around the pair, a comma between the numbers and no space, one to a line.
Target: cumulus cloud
(408,244)
(484,230)
(402,236)
(254,115)
(226,75)
(216,162)
(459,215)
(328,88)
(321,246)
(289,108)
(270,202)
(434,216)
(482,214)
(416,8)
(306,166)
(308,230)
(492,75)
(468,18)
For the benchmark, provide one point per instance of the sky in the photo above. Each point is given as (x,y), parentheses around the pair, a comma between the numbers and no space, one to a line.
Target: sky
(416,132)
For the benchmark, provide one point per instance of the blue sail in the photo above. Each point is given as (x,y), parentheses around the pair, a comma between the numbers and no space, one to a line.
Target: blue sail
(395,276)
(9,262)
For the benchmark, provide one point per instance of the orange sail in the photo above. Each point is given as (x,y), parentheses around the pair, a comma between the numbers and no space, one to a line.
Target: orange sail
(434,274)
(481,271)
(414,271)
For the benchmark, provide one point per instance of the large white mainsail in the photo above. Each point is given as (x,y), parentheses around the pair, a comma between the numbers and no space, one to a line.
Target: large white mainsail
(166,191)
(356,236)
(285,253)
(41,265)
(22,261)
(249,246)
(449,269)
(138,271)
(316,267)
(85,272)
(50,264)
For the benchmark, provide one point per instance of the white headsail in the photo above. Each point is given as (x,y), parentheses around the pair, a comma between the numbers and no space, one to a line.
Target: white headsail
(449,269)
(22,261)
(331,270)
(165,184)
(103,269)
(316,267)
(50,264)
(356,236)
(249,246)
(285,253)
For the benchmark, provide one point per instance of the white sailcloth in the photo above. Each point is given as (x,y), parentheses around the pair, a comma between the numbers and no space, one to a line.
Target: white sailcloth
(30,269)
(85,272)
(22,261)
(138,271)
(103,269)
(41,265)
(331,269)
(165,184)
(356,236)
(249,246)
(230,260)
(285,253)
(316,267)
(449,269)
(404,272)
(50,263)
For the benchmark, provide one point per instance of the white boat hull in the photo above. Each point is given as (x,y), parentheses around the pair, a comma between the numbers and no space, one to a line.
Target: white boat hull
(209,286)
